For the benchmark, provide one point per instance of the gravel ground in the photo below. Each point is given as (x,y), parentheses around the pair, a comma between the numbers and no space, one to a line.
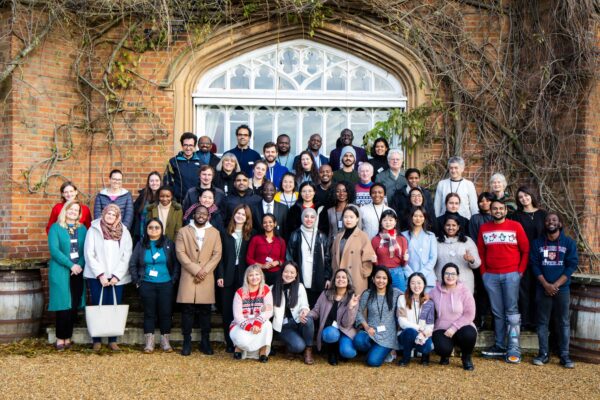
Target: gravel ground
(35,371)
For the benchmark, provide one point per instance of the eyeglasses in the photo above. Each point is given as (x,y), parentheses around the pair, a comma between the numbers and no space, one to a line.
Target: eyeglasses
(450,274)
(188,145)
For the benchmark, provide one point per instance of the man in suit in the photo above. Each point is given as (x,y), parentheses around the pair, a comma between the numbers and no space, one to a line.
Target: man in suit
(205,144)
(268,206)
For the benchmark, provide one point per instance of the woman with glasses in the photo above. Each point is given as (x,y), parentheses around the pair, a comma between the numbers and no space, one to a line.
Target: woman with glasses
(115,194)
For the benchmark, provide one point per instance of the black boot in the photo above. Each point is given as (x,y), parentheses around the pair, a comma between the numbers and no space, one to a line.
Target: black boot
(332,354)
(425,359)
(186,350)
(467,363)
(205,344)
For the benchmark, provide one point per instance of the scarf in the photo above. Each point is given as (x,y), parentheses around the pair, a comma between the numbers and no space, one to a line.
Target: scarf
(112,231)
(392,243)
(163,213)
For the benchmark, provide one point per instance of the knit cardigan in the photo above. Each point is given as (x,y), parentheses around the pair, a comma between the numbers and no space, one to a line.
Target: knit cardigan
(252,309)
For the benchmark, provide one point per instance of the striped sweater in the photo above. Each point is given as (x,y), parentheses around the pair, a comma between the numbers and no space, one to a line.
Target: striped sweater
(252,309)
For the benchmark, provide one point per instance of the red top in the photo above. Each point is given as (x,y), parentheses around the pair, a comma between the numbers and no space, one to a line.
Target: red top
(383,252)
(259,249)
(503,248)
(86,216)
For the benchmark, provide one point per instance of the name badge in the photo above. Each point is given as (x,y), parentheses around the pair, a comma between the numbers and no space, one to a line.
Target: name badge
(73,240)
(153,273)
(340,224)
(156,255)
(250,162)
(380,169)
(545,253)
(74,255)
(381,328)
(334,324)
(268,259)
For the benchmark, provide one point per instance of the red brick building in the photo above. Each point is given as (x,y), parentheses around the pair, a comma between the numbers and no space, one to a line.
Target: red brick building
(54,127)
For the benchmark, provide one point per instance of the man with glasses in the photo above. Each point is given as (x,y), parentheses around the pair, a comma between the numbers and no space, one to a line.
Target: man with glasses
(204,152)
(393,178)
(182,170)
(504,251)
(245,155)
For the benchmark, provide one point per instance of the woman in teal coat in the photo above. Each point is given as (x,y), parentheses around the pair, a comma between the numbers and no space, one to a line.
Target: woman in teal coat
(65,276)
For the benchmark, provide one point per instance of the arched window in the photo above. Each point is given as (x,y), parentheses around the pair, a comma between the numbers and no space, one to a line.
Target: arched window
(298,88)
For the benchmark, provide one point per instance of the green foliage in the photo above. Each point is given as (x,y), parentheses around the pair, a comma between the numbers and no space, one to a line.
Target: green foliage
(411,128)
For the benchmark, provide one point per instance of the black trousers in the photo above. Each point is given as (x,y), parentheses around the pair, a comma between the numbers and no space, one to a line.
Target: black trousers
(157,302)
(313,296)
(464,338)
(227,295)
(188,311)
(527,305)
(65,319)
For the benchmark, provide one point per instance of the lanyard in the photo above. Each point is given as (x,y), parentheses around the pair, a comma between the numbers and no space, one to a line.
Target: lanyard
(309,244)
(286,201)
(238,247)
(375,209)
(415,303)
(452,191)
(380,309)
(557,249)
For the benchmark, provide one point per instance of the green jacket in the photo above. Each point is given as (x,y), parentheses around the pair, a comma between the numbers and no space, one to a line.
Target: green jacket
(59,273)
(174,219)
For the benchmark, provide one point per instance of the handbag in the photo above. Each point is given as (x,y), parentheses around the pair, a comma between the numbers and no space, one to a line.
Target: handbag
(106,320)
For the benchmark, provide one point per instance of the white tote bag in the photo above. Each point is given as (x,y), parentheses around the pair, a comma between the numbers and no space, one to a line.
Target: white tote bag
(106,320)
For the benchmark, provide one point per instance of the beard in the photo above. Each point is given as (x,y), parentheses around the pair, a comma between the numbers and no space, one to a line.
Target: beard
(552,230)
(498,218)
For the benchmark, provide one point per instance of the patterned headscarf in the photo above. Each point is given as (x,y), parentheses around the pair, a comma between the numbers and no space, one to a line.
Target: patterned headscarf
(113,231)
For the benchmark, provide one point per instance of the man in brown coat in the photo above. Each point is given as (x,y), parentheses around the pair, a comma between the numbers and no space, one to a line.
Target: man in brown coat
(198,249)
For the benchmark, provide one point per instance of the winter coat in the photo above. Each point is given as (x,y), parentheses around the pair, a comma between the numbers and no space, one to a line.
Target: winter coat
(124,201)
(321,258)
(174,219)
(108,257)
(357,258)
(345,317)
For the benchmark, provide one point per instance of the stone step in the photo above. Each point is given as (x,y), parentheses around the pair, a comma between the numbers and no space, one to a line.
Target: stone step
(134,335)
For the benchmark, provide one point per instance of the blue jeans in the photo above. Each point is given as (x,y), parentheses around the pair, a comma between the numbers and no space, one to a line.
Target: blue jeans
(107,299)
(297,336)
(407,342)
(560,304)
(503,290)
(376,354)
(331,335)
(398,278)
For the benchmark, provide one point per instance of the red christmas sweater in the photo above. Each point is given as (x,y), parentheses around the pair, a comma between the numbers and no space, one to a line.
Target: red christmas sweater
(503,247)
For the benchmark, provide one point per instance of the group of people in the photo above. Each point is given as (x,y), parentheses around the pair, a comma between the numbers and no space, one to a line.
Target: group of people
(344,254)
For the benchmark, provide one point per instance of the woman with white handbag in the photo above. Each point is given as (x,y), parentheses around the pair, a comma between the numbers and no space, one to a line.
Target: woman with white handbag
(107,252)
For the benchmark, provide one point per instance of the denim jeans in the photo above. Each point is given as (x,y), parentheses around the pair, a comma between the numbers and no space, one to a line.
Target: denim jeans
(297,336)
(559,303)
(156,299)
(376,354)
(406,339)
(503,290)
(331,335)
(107,298)
(398,278)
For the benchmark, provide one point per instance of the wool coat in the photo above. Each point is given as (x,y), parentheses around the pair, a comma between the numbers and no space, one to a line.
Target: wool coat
(193,260)
(174,219)
(357,258)
(59,267)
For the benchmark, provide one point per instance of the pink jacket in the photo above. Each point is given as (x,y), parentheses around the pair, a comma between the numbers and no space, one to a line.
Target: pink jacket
(454,308)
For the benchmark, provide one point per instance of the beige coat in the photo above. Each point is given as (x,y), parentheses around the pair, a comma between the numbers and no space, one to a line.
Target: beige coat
(357,258)
(193,260)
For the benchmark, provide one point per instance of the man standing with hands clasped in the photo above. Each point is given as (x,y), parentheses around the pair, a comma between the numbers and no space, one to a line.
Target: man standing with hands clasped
(553,260)
(198,249)
(504,252)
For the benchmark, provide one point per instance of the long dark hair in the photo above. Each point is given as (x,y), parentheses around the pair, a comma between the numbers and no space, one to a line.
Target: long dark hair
(247,228)
(389,289)
(409,293)
(314,174)
(387,213)
(460,234)
(146,239)
(387,147)
(530,192)
(410,219)
(332,291)
(294,287)
(149,197)
(351,193)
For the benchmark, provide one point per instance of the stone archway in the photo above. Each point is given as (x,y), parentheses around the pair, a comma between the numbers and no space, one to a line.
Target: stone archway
(354,36)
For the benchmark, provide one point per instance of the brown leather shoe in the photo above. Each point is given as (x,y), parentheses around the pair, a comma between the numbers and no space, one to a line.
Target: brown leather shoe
(308,356)
(114,347)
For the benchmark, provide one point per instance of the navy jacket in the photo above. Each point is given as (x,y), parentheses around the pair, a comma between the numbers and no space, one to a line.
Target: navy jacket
(275,173)
(334,157)
(246,158)
(554,258)
(124,201)
(182,174)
